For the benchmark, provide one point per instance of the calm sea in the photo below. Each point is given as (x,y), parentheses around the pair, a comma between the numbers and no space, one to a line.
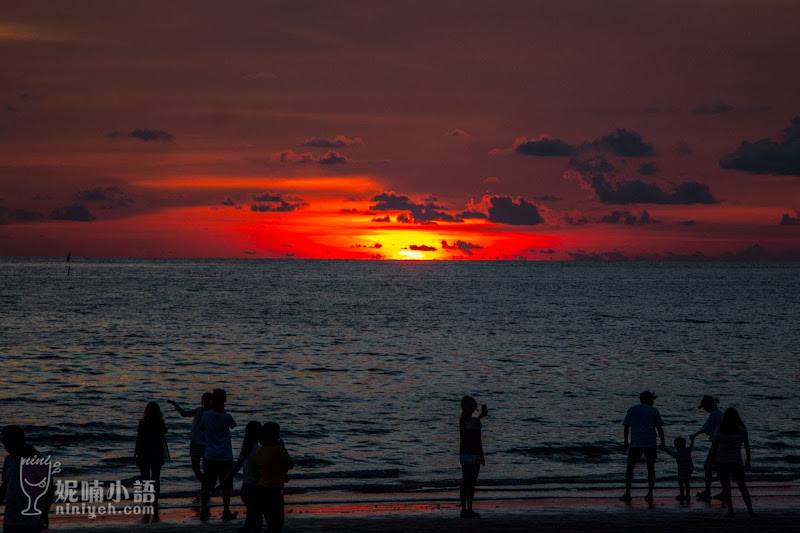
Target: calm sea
(364,363)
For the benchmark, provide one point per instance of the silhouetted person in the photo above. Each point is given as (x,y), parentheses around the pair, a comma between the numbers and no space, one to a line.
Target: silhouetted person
(218,459)
(470,453)
(683,459)
(710,428)
(642,422)
(250,494)
(14,520)
(197,444)
(151,451)
(272,462)
(726,451)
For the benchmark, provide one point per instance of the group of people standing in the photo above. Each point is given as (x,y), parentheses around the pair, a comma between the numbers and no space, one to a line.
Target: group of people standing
(726,431)
(263,460)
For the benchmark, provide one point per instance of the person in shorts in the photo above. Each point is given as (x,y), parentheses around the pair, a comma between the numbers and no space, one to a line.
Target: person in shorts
(218,459)
(641,424)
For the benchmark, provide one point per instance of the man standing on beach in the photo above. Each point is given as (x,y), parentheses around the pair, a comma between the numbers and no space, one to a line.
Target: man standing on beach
(218,460)
(641,423)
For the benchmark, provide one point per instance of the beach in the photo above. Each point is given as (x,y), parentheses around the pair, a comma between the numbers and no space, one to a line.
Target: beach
(774,513)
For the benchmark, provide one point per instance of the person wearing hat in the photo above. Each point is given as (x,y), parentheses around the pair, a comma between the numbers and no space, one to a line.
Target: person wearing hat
(710,428)
(641,423)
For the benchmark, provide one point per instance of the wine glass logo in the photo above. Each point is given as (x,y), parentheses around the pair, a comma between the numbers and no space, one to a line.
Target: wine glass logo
(34,479)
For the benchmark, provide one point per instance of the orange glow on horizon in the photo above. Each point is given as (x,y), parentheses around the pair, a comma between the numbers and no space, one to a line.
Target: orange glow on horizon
(342,184)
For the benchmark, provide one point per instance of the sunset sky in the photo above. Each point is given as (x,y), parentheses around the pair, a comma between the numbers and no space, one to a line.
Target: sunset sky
(401,130)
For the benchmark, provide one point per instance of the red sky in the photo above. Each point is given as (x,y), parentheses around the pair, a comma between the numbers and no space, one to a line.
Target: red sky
(418,130)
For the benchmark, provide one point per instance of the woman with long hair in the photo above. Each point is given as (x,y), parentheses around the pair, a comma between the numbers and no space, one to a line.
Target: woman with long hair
(471,453)
(151,451)
(727,454)
(249,492)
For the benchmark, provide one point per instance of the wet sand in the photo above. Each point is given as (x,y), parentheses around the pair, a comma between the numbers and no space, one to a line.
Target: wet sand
(774,513)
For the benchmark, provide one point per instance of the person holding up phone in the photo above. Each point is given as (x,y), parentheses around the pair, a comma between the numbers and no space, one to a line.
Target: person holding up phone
(471,452)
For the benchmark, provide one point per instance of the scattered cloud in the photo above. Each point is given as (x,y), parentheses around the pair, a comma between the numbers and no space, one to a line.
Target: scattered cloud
(504,210)
(689,223)
(624,143)
(422,248)
(104,197)
(74,213)
(625,217)
(228,201)
(275,203)
(368,246)
(648,169)
(457,133)
(789,220)
(465,247)
(142,134)
(332,157)
(339,141)
(387,218)
(491,180)
(767,156)
(543,147)
(290,157)
(422,213)
(714,109)
(464,215)
(9,216)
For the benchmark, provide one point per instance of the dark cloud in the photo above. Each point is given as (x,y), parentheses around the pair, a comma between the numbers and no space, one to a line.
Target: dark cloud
(767,156)
(275,203)
(9,216)
(618,217)
(689,223)
(638,192)
(543,147)
(402,217)
(387,218)
(575,220)
(789,220)
(340,141)
(624,143)
(465,247)
(420,212)
(376,245)
(457,133)
(648,169)
(291,157)
(547,198)
(104,197)
(332,157)
(348,210)
(715,109)
(504,210)
(596,164)
(249,252)
(228,201)
(74,213)
(472,214)
(422,248)
(549,251)
(142,134)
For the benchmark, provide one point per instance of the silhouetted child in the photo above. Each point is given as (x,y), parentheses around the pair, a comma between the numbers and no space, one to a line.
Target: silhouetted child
(470,453)
(272,462)
(151,451)
(197,444)
(683,459)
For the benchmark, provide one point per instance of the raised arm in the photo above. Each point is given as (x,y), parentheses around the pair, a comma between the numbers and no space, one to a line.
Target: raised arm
(186,413)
